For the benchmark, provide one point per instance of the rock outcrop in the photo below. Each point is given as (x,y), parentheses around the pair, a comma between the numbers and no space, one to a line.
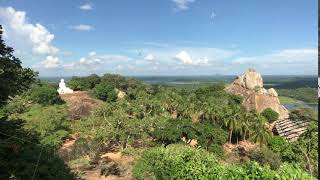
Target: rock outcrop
(255,97)
(120,94)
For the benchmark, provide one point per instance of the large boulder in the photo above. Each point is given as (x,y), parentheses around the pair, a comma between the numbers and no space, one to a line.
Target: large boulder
(255,97)
(250,80)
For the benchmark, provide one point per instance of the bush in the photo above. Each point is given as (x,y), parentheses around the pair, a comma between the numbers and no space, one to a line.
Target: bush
(280,146)
(175,162)
(16,105)
(45,95)
(265,156)
(270,115)
(105,92)
(185,162)
(19,158)
(49,122)
(84,83)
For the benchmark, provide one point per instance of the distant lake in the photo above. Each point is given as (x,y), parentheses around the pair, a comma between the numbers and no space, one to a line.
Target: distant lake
(304,105)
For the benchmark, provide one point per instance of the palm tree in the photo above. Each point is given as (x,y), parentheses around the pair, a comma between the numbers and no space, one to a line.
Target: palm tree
(231,122)
(245,125)
(260,133)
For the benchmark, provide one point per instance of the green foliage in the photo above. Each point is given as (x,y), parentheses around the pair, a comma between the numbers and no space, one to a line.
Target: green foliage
(175,161)
(305,94)
(270,115)
(14,79)
(280,146)
(287,100)
(184,162)
(265,156)
(19,155)
(303,152)
(306,148)
(16,105)
(211,138)
(84,83)
(45,95)
(105,92)
(49,122)
(168,133)
(306,114)
(115,80)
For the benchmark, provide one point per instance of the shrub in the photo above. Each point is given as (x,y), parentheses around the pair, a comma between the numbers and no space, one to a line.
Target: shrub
(84,83)
(105,92)
(19,158)
(270,115)
(15,105)
(45,95)
(265,156)
(175,162)
(49,122)
(280,146)
(185,162)
(172,130)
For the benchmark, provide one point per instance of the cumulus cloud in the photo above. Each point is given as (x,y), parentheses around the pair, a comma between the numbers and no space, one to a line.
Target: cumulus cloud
(183,4)
(86,7)
(186,59)
(94,60)
(69,66)
(82,27)
(149,57)
(16,27)
(51,62)
(286,57)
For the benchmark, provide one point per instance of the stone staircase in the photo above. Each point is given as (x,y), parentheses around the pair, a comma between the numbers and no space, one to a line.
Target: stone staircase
(291,129)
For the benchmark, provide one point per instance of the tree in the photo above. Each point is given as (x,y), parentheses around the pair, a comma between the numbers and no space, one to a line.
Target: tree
(45,95)
(84,83)
(260,134)
(270,115)
(14,79)
(105,92)
(232,122)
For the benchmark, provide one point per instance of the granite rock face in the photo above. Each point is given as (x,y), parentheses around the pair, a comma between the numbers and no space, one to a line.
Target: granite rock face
(250,80)
(255,97)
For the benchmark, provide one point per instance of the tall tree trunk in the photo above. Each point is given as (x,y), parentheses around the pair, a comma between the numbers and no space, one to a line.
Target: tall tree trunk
(244,136)
(230,136)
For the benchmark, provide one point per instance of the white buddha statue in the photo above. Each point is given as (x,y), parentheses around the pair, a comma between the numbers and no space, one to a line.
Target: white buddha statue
(63,89)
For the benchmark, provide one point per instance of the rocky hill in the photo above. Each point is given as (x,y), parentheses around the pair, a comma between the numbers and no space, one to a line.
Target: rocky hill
(255,97)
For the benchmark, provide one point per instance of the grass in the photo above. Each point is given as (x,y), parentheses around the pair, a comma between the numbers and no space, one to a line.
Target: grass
(288,100)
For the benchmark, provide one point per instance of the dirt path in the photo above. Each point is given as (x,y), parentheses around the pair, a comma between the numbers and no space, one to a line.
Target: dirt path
(80,104)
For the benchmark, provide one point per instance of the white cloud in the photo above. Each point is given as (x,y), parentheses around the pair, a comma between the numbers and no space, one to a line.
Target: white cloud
(17,28)
(183,4)
(285,57)
(186,59)
(90,61)
(86,7)
(92,53)
(51,62)
(82,27)
(149,57)
(69,66)
(94,60)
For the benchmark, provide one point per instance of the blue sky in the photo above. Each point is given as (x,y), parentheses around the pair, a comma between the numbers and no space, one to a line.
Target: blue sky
(167,37)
